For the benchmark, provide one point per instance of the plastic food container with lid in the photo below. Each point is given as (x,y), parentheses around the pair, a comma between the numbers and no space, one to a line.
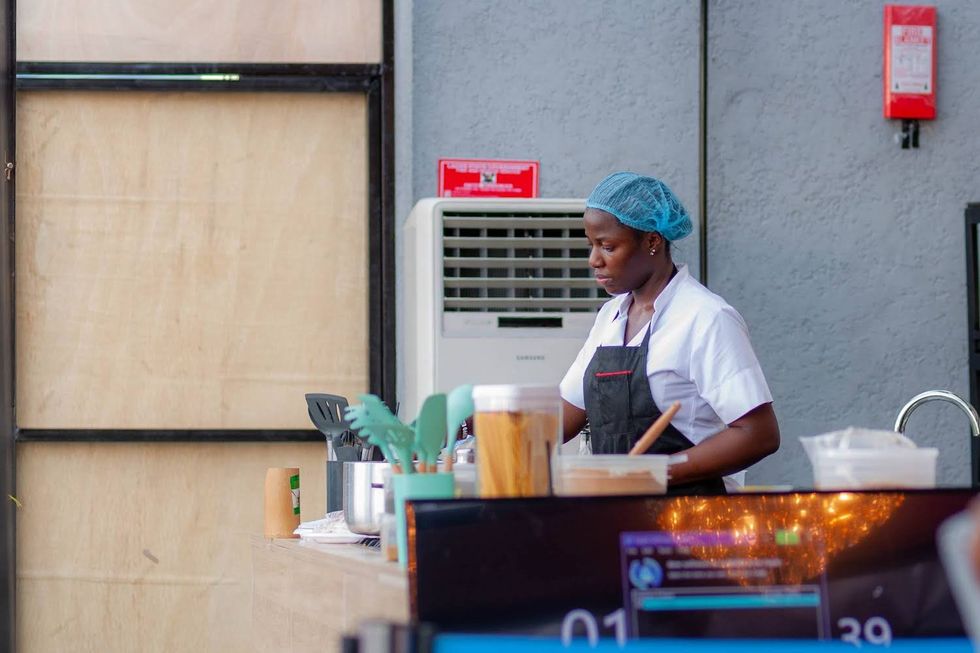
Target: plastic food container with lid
(517,428)
(880,469)
(600,475)
(864,459)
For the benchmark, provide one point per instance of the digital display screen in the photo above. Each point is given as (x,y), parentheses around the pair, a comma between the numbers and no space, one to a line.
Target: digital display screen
(716,584)
(857,567)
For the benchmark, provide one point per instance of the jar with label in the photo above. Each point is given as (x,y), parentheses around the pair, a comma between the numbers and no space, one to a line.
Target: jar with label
(517,428)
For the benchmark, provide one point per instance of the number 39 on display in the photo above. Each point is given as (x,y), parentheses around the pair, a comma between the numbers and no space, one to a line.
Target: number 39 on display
(876,631)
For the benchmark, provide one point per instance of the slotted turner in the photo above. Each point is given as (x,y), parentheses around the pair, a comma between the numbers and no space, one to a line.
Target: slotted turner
(327,414)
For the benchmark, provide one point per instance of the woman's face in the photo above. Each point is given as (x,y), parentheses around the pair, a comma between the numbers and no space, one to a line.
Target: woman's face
(619,256)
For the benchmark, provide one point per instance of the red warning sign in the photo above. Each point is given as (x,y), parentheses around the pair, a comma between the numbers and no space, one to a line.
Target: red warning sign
(487,178)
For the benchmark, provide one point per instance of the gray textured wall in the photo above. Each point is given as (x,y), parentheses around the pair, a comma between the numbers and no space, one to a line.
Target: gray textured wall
(585,87)
(844,253)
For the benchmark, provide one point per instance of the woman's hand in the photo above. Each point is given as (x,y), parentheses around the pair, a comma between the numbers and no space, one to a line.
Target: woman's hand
(746,441)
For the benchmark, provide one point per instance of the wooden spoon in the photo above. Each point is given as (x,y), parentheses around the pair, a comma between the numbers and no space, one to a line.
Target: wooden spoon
(658,427)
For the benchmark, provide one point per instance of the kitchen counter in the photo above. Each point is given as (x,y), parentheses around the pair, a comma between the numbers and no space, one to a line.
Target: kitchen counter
(305,596)
(543,565)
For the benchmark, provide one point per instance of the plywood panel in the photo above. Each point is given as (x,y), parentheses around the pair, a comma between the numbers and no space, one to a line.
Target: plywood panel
(323,31)
(306,596)
(189,260)
(145,547)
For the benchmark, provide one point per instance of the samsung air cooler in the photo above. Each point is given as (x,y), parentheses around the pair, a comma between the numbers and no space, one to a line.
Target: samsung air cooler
(496,291)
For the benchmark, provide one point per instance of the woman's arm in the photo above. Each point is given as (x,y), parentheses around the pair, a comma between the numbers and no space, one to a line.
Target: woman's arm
(573,419)
(746,441)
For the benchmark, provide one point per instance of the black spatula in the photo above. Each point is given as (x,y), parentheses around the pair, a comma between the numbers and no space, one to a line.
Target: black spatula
(327,414)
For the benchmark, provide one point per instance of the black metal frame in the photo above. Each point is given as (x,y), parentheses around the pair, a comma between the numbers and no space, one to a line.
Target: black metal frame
(377,82)
(973,325)
(8,461)
(168,435)
(82,76)
(703,145)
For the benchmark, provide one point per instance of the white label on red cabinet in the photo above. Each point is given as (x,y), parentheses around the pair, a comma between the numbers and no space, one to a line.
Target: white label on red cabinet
(912,59)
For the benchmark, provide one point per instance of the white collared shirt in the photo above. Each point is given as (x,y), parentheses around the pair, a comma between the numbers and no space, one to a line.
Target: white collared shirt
(699,354)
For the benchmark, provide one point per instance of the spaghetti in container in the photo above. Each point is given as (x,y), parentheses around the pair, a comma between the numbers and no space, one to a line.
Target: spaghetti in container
(517,428)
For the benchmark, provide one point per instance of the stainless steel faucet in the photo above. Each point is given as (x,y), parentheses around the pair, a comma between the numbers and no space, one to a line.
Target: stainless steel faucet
(937,395)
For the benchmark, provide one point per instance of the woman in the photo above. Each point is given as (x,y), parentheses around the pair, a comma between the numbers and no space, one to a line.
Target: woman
(662,338)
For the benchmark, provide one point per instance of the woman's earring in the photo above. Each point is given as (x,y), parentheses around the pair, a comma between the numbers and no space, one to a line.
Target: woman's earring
(652,251)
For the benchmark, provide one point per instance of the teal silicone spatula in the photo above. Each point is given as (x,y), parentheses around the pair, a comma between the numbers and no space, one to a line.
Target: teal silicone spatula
(402,437)
(459,407)
(384,430)
(430,430)
(371,431)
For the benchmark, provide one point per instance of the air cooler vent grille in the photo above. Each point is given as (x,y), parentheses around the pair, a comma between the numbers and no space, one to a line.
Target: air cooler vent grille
(521,261)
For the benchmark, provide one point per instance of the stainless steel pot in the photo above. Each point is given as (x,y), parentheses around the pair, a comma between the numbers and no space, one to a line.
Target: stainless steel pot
(364,496)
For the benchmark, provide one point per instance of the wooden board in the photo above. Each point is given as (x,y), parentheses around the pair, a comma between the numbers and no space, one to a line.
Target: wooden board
(189,260)
(302,31)
(305,597)
(145,547)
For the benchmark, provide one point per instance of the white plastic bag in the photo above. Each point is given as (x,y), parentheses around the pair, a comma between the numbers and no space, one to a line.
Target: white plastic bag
(854,438)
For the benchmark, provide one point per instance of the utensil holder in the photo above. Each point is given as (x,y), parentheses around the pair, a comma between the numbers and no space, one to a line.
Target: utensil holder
(335,486)
(409,487)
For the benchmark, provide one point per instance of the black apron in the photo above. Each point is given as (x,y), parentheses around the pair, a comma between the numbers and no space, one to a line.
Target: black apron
(620,409)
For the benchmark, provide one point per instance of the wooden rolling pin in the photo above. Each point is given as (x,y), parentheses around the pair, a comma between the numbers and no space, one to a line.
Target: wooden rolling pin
(658,427)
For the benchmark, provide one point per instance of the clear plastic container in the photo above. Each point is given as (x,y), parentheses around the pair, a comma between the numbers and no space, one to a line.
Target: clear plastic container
(465,477)
(865,469)
(864,459)
(389,537)
(577,476)
(517,429)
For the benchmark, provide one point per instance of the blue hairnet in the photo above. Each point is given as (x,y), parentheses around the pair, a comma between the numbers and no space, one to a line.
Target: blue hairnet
(644,203)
